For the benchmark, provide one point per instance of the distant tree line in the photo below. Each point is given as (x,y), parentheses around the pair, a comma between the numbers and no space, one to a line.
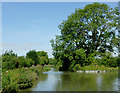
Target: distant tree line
(10,60)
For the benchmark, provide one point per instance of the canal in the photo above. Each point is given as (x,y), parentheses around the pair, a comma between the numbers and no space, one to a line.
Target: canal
(74,81)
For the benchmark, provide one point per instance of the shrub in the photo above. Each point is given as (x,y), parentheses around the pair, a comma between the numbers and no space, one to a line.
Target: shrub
(46,68)
(31,62)
(9,84)
(25,62)
(24,81)
(77,67)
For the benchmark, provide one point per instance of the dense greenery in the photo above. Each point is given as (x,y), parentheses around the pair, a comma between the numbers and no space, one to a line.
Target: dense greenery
(17,79)
(32,54)
(20,72)
(87,37)
(43,57)
(10,60)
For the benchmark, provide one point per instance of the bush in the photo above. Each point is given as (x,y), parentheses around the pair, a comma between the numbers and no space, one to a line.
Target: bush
(46,68)
(9,84)
(9,60)
(43,60)
(25,62)
(31,62)
(108,60)
(113,62)
(5,65)
(11,64)
(77,67)
(14,80)
(24,81)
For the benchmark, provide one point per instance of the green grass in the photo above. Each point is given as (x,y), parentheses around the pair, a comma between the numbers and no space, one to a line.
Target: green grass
(97,67)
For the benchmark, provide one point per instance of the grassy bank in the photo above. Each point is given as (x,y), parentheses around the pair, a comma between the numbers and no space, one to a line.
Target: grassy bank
(97,67)
(90,67)
(18,79)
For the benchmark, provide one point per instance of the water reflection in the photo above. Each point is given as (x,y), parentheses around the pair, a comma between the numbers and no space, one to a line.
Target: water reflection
(73,81)
(77,82)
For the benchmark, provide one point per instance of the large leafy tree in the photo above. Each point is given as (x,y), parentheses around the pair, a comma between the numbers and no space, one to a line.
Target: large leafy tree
(92,29)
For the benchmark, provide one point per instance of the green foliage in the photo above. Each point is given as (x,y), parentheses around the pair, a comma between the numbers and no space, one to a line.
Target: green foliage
(32,54)
(12,63)
(39,57)
(108,60)
(31,62)
(9,60)
(24,81)
(9,84)
(17,79)
(43,60)
(43,57)
(98,67)
(42,53)
(20,72)
(86,30)
(22,61)
(92,58)
(52,61)
(118,60)
(9,53)
(77,67)
(80,57)
(45,68)
(25,62)
(113,62)
(36,69)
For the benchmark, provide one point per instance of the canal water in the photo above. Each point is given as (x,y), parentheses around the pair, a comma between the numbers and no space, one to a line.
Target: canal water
(75,81)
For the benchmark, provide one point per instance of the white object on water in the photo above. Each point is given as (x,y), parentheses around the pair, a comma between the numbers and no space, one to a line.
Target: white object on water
(91,71)
(80,71)
(87,71)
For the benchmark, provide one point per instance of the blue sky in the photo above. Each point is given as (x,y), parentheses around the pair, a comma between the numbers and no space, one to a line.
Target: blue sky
(28,26)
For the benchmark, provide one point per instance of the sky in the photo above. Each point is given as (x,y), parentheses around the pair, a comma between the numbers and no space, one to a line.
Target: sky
(31,25)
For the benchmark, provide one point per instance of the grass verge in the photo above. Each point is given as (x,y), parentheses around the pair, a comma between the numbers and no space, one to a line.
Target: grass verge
(18,79)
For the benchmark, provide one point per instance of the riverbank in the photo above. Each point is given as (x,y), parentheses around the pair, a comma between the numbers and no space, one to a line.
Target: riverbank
(98,67)
(18,79)
(90,67)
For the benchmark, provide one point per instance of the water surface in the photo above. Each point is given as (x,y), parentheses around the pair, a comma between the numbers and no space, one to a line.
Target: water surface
(74,81)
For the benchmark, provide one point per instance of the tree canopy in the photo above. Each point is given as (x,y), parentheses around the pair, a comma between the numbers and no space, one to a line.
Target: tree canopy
(43,57)
(93,28)
(32,54)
